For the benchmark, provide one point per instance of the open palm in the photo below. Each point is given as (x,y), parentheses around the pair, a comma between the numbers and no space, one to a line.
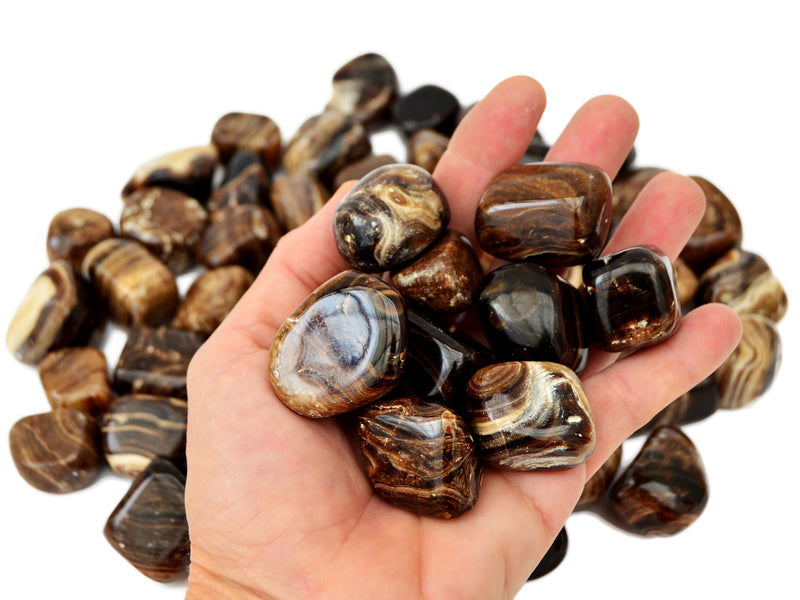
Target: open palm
(279,505)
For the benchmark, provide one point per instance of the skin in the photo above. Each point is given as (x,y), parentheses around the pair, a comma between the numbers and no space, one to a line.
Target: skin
(278,505)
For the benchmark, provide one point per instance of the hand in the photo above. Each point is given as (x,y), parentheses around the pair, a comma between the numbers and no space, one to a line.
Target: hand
(278,504)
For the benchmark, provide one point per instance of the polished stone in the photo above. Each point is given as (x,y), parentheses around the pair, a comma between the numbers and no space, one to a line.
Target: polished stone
(364,88)
(76,377)
(598,483)
(553,557)
(248,185)
(664,489)
(73,232)
(210,298)
(342,348)
(148,527)
(632,299)
(425,148)
(553,214)
(529,416)
(419,455)
(445,278)
(58,451)
(427,107)
(189,170)
(295,198)
(389,217)
(243,235)
(246,131)
(697,404)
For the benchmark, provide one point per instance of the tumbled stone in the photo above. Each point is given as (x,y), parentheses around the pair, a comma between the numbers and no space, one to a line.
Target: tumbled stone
(389,217)
(427,107)
(58,451)
(76,378)
(626,188)
(189,170)
(553,214)
(719,230)
(140,427)
(167,222)
(56,311)
(598,483)
(342,348)
(664,489)
(632,299)
(697,404)
(149,528)
(243,235)
(419,455)
(445,278)
(295,198)
(136,287)
(73,232)
(529,313)
(364,88)
(358,169)
(750,369)
(686,283)
(246,182)
(744,281)
(210,298)
(553,557)
(425,148)
(246,131)
(529,416)
(155,360)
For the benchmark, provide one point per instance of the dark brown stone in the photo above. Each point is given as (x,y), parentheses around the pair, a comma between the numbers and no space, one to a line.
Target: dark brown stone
(189,170)
(249,186)
(246,131)
(597,485)
(210,298)
(426,147)
(427,107)
(553,557)
(76,378)
(73,232)
(242,235)
(296,198)
(361,168)
(364,88)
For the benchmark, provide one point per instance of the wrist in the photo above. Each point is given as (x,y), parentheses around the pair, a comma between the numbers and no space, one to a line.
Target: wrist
(204,585)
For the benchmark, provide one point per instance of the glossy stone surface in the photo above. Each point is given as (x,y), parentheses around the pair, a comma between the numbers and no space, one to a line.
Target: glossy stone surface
(139,427)
(528,313)
(632,299)
(626,189)
(296,198)
(210,298)
(719,230)
(250,185)
(326,143)
(246,131)
(136,287)
(242,235)
(664,489)
(76,377)
(426,147)
(189,170)
(695,405)
(342,348)
(148,527)
(553,214)
(154,361)
(360,168)
(553,557)
(419,455)
(744,281)
(445,278)
(364,88)
(73,232)
(598,483)
(58,451)
(750,369)
(529,415)
(389,217)
(427,107)
(167,222)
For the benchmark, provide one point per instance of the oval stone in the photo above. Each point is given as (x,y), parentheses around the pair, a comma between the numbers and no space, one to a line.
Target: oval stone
(342,348)
(364,88)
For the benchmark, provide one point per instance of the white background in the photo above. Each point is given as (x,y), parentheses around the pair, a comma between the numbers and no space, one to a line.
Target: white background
(89,91)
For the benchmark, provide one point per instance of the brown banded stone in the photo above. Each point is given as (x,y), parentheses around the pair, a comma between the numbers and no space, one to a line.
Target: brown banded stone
(360,168)
(427,107)
(419,455)
(296,198)
(426,147)
(597,485)
(553,214)
(76,377)
(58,451)
(364,88)
(73,232)
(342,348)
(250,185)
(242,235)
(210,298)
(189,170)
(246,131)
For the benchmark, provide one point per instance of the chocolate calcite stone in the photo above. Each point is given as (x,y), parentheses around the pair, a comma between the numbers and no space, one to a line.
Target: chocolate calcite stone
(136,287)
(445,278)
(389,217)
(56,311)
(76,378)
(248,186)
(245,131)
(554,214)
(553,557)
(427,107)
(664,489)
(73,232)
(364,88)
(297,197)
(695,405)
(58,451)
(148,527)
(529,416)
(426,147)
(189,170)
(358,169)
(155,360)
(627,187)
(210,298)
(419,455)
(139,427)
(686,283)
(167,222)
(719,230)
(342,348)
(632,299)
(598,483)
(750,369)
(242,235)
(744,281)
(529,313)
